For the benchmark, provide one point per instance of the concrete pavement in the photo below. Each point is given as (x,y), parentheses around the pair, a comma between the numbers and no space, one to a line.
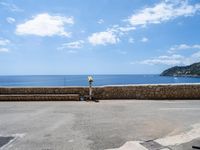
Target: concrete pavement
(98,126)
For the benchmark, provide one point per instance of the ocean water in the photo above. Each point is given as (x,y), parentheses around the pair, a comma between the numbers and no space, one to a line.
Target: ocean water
(99,80)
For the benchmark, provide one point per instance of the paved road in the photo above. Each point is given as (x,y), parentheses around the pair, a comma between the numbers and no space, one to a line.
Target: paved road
(99,126)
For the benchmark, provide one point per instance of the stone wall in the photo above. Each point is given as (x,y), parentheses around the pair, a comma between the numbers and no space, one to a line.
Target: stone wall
(173,91)
(44,90)
(167,91)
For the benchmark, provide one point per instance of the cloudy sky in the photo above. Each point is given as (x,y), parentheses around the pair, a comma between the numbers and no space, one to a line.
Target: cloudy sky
(97,36)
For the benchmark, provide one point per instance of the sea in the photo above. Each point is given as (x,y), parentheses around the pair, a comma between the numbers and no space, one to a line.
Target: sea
(99,80)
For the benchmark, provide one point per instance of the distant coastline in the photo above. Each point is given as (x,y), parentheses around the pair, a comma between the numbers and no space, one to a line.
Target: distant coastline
(192,70)
(186,76)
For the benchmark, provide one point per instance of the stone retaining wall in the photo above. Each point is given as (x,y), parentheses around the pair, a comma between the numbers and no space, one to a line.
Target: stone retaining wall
(168,91)
(149,92)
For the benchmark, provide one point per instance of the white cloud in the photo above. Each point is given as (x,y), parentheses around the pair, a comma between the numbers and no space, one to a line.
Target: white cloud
(172,60)
(100,21)
(11,7)
(126,29)
(4,49)
(110,36)
(120,30)
(72,51)
(4,42)
(176,48)
(45,25)
(131,40)
(72,45)
(122,52)
(164,60)
(195,57)
(103,38)
(144,39)
(10,20)
(163,11)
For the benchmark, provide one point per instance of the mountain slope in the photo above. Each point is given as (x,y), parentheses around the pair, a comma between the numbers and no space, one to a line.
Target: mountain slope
(191,70)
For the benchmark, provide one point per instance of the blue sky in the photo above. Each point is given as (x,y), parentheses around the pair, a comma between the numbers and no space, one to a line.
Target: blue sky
(97,36)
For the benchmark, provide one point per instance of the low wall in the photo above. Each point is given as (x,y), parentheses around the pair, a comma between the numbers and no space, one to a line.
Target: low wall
(167,91)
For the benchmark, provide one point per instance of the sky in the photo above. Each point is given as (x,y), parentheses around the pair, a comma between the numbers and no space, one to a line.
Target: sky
(73,37)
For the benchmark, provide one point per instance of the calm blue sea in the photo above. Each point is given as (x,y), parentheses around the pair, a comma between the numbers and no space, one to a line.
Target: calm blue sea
(99,80)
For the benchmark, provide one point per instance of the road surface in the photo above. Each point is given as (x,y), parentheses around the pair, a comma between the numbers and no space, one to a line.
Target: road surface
(113,124)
